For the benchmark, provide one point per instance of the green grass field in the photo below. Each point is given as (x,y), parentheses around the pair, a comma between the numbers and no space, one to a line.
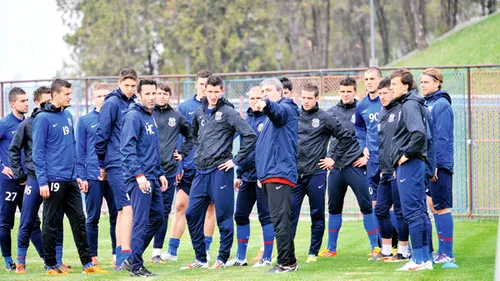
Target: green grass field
(475,44)
(474,247)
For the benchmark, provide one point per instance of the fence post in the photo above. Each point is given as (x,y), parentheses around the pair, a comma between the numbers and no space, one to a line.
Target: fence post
(85,92)
(470,153)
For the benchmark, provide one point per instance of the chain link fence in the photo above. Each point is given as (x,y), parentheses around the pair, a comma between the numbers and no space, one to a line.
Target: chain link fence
(475,100)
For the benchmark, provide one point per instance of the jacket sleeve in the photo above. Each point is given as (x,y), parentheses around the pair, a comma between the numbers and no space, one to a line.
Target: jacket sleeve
(194,130)
(128,146)
(276,112)
(185,129)
(40,129)
(360,128)
(15,152)
(342,135)
(431,145)
(81,150)
(443,124)
(107,118)
(414,122)
(248,138)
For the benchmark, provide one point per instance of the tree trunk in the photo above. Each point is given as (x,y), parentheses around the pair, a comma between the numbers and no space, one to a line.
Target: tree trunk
(418,12)
(327,35)
(492,6)
(384,30)
(411,22)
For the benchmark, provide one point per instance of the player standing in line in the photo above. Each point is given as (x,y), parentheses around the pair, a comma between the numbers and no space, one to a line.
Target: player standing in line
(316,127)
(214,124)
(171,124)
(409,155)
(287,87)
(276,163)
(54,156)
(387,193)
(107,147)
(351,172)
(441,186)
(11,190)
(249,193)
(143,177)
(185,179)
(88,172)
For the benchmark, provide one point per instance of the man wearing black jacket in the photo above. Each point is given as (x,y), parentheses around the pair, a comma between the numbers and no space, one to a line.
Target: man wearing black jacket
(214,125)
(315,129)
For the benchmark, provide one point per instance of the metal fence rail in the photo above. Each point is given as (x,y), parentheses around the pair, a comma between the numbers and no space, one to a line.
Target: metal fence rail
(475,101)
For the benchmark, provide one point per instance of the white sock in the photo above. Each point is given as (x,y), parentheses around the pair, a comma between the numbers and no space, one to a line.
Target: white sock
(386,249)
(403,250)
(114,258)
(156,252)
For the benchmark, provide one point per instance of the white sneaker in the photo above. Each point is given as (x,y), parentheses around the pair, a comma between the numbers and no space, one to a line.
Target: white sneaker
(166,256)
(208,256)
(237,262)
(428,265)
(411,265)
(262,263)
(196,264)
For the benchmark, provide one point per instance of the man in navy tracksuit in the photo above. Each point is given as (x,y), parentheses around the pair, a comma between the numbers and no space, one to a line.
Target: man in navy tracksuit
(171,124)
(54,157)
(11,190)
(315,129)
(276,162)
(143,173)
(409,156)
(249,193)
(441,183)
(349,171)
(88,172)
(387,193)
(185,178)
(214,126)
(107,147)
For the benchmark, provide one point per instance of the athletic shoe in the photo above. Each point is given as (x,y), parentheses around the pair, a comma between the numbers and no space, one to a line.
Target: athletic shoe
(381,257)
(262,263)
(327,253)
(449,265)
(284,269)
(65,268)
(196,264)
(127,265)
(375,252)
(394,251)
(157,259)
(259,255)
(208,256)
(237,262)
(428,265)
(218,264)
(142,272)
(94,269)
(168,257)
(443,258)
(95,261)
(20,269)
(118,268)
(397,258)
(11,266)
(54,270)
(411,265)
(312,258)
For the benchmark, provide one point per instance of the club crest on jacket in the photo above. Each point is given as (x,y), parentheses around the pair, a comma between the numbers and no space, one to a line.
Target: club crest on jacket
(218,116)
(172,122)
(315,123)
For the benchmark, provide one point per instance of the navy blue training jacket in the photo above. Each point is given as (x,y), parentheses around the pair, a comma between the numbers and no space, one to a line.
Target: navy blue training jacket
(87,164)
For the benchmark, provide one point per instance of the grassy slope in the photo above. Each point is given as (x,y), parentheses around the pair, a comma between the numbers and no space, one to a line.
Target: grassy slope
(475,44)
(474,247)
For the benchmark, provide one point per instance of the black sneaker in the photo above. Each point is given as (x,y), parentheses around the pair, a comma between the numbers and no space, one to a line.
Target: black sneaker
(398,258)
(142,272)
(284,269)
(10,266)
(127,265)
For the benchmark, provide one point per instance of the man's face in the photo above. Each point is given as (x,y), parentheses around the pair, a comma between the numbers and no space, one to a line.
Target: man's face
(200,87)
(99,96)
(386,96)
(308,100)
(20,104)
(371,79)
(214,93)
(162,97)
(148,96)
(288,94)
(428,85)
(398,87)
(270,92)
(254,96)
(128,86)
(43,98)
(63,98)
(347,94)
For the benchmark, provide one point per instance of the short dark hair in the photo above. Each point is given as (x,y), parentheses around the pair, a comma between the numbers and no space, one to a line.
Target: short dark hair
(37,94)
(127,73)
(164,87)
(384,83)
(374,69)
(215,80)
(58,84)
(311,88)
(287,84)
(145,82)
(14,92)
(204,73)
(348,81)
(406,77)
